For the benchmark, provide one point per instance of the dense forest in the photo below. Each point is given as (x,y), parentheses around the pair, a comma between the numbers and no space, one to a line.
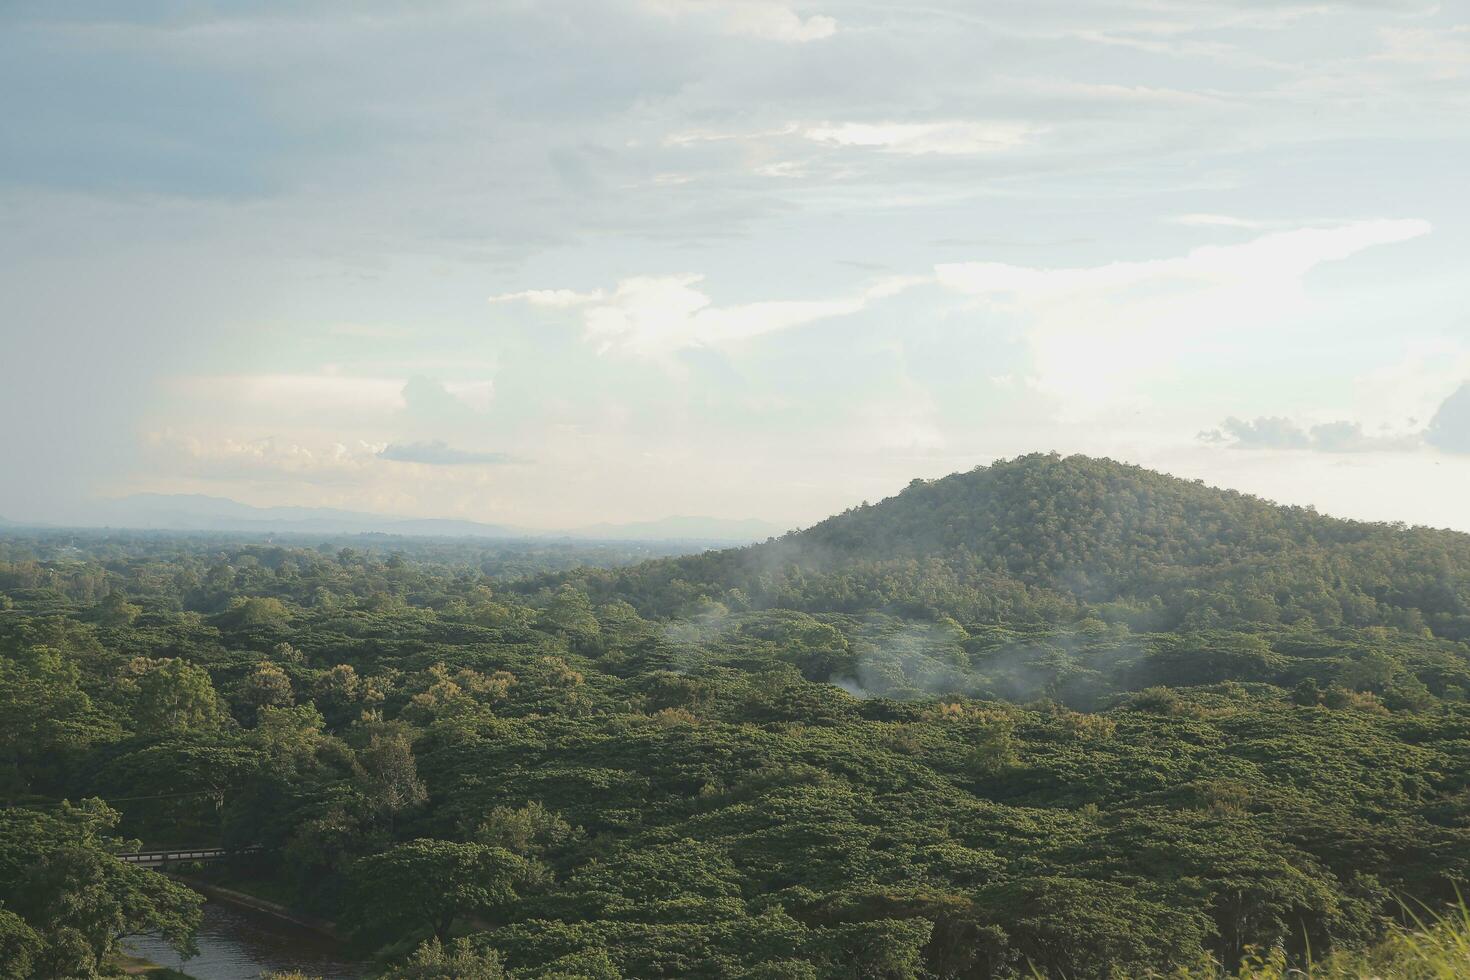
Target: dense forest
(1055,716)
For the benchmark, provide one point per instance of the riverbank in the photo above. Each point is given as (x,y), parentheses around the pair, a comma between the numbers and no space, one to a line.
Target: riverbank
(122,964)
(241,899)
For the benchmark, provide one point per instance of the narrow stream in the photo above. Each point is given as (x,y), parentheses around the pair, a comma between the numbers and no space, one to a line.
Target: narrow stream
(238,944)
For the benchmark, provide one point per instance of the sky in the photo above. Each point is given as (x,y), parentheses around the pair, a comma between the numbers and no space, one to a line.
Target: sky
(552,263)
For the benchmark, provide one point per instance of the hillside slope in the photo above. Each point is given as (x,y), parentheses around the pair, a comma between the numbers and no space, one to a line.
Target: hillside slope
(1043,538)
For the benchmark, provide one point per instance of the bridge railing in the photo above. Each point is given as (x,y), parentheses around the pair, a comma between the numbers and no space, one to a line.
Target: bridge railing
(183,854)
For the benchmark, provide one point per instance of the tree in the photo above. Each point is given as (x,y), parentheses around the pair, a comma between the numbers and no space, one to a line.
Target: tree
(461,961)
(43,713)
(266,686)
(78,901)
(175,696)
(531,830)
(256,611)
(995,745)
(1091,929)
(290,733)
(390,778)
(20,945)
(569,613)
(115,610)
(881,949)
(429,883)
(1307,692)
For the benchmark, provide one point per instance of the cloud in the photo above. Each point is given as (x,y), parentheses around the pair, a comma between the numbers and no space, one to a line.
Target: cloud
(266,459)
(769,20)
(304,393)
(439,399)
(286,171)
(1221,221)
(951,137)
(1263,433)
(1078,317)
(1098,334)
(438,453)
(652,316)
(944,137)
(1327,437)
(1282,256)
(692,136)
(1444,53)
(1349,437)
(1449,430)
(553,298)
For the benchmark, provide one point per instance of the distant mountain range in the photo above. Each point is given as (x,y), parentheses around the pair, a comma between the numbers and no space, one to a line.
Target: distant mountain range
(200,512)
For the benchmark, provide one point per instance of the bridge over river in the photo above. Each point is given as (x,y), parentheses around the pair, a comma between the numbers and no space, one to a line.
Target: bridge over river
(157,859)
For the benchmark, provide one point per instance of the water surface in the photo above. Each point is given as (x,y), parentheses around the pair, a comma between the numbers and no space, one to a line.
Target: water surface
(238,944)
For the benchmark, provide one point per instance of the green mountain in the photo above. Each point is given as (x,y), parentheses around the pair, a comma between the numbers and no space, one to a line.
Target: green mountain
(1050,539)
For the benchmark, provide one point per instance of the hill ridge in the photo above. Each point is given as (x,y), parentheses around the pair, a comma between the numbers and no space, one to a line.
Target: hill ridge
(1054,538)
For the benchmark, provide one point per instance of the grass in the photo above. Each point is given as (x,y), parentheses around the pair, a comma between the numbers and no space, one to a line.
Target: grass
(1433,948)
(123,965)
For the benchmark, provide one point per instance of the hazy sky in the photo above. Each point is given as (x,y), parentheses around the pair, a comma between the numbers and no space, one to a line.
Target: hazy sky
(549,263)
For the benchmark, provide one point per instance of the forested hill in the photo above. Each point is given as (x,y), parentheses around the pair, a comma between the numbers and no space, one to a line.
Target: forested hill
(1054,717)
(1045,538)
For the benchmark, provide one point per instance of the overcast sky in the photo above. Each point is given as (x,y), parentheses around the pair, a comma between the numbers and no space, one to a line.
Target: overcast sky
(548,263)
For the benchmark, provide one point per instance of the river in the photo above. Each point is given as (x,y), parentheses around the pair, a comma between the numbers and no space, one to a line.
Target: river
(239,944)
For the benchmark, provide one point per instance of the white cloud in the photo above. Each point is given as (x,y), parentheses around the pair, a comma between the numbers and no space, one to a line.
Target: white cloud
(1115,93)
(274,401)
(1411,389)
(1221,221)
(1442,52)
(437,452)
(785,169)
(651,316)
(1336,436)
(476,395)
(721,135)
(225,457)
(1275,258)
(769,20)
(299,393)
(944,137)
(947,137)
(555,298)
(1098,333)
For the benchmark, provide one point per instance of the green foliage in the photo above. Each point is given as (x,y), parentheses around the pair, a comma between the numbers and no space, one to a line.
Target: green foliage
(66,900)
(44,714)
(1043,538)
(1436,948)
(431,883)
(460,961)
(115,610)
(531,830)
(174,696)
(20,946)
(254,611)
(267,686)
(1055,715)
